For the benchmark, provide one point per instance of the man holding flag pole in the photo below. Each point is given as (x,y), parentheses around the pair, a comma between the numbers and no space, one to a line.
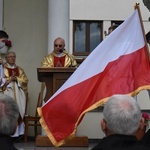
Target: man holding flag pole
(121,66)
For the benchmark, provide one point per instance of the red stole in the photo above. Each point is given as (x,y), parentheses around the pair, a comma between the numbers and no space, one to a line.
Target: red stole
(13,71)
(59,60)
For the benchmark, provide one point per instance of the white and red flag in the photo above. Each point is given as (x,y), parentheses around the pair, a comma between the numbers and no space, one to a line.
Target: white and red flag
(118,65)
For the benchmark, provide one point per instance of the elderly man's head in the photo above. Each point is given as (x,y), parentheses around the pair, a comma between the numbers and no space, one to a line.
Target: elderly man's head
(122,115)
(59,45)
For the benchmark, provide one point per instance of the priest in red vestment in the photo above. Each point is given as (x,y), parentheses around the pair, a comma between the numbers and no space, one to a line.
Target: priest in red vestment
(16,87)
(59,56)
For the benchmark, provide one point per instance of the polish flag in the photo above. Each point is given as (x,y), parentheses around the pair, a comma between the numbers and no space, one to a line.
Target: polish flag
(118,65)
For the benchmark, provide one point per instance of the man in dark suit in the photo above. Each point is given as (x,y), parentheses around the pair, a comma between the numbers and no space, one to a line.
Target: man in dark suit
(9,113)
(121,122)
(146,139)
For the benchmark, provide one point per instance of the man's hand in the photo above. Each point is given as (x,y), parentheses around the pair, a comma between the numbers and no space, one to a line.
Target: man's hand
(13,78)
(59,64)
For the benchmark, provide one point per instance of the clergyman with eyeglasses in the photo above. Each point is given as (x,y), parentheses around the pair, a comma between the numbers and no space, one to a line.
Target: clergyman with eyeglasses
(59,57)
(16,87)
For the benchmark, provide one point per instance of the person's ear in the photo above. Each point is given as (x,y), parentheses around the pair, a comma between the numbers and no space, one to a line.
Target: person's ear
(15,129)
(141,130)
(142,124)
(103,126)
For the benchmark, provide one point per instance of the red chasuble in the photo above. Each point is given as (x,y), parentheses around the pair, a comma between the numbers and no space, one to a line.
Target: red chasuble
(60,60)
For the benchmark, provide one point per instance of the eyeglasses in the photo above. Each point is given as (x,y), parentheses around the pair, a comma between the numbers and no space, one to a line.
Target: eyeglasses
(11,56)
(58,45)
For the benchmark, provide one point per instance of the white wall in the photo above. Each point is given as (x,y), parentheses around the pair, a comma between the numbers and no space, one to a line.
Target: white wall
(104,9)
(1,14)
(26,23)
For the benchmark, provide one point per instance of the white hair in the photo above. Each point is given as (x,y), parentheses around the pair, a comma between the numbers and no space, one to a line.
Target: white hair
(122,114)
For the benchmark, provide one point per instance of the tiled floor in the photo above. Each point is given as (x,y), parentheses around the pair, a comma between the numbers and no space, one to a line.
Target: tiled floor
(32,146)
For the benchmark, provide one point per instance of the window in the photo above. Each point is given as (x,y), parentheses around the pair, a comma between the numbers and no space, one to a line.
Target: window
(86,36)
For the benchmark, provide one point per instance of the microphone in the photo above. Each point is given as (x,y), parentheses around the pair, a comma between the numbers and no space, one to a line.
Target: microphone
(62,51)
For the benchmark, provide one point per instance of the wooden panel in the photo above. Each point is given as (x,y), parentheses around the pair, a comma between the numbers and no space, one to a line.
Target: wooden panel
(75,142)
(59,80)
(54,78)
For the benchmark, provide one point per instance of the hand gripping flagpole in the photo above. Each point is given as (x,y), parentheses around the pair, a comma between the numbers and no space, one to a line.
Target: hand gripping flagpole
(142,26)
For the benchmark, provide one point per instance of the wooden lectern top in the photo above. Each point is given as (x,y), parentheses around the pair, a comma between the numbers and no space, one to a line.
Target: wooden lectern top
(47,72)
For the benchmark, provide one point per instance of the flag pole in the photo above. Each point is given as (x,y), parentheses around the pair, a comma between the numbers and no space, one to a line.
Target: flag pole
(142,26)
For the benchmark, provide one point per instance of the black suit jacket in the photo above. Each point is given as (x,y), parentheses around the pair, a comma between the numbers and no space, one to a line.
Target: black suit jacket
(120,142)
(146,139)
(6,143)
